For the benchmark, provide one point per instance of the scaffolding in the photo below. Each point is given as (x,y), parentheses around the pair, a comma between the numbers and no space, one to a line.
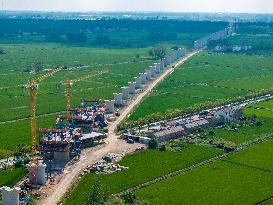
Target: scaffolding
(55,140)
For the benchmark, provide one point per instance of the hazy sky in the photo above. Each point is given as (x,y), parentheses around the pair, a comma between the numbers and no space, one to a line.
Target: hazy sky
(260,6)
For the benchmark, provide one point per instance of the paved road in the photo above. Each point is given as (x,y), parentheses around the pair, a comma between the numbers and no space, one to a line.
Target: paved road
(113,145)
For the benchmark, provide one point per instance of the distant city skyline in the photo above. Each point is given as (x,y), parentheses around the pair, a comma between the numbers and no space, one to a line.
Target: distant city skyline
(231,6)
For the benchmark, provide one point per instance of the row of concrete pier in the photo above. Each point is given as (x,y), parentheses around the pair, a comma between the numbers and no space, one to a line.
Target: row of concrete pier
(219,35)
(141,80)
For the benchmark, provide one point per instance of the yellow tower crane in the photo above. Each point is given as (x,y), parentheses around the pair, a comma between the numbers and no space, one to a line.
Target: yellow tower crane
(71,82)
(34,84)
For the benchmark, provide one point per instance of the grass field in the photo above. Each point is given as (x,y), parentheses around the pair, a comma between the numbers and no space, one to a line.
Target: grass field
(242,178)
(208,78)
(10,177)
(143,166)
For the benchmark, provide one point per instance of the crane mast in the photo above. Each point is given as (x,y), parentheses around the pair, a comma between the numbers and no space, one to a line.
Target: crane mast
(68,94)
(33,91)
(33,115)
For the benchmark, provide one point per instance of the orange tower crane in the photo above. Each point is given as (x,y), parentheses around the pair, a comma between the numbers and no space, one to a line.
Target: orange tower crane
(34,84)
(70,83)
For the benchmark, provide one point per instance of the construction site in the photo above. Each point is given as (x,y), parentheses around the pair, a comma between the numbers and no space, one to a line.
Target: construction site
(135,107)
(80,127)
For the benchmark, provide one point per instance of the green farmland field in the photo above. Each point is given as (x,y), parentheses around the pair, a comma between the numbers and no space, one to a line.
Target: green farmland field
(143,166)
(122,65)
(12,134)
(269,202)
(10,177)
(208,79)
(242,178)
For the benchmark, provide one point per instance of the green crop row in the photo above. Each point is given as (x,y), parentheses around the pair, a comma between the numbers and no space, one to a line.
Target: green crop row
(10,177)
(143,166)
(15,133)
(243,178)
(15,101)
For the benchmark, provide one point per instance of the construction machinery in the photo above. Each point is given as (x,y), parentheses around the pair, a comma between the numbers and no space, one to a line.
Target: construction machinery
(70,83)
(59,143)
(88,118)
(54,140)
(34,85)
(117,113)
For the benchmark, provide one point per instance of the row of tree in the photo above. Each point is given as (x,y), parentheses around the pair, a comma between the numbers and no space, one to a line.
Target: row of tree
(105,39)
(61,27)
(255,28)
(71,38)
(103,33)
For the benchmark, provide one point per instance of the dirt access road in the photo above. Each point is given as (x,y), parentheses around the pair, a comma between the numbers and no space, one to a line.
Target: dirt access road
(54,192)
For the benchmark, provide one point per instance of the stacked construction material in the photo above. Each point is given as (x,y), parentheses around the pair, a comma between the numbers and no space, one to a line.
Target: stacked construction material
(106,165)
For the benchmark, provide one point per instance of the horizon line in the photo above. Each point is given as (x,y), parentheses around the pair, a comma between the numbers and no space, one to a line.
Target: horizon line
(128,11)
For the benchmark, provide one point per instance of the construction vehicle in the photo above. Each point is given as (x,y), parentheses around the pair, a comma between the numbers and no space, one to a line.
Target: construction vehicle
(130,141)
(34,85)
(117,112)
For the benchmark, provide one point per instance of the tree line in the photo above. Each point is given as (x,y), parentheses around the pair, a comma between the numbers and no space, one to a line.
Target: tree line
(114,32)
(254,28)
(46,26)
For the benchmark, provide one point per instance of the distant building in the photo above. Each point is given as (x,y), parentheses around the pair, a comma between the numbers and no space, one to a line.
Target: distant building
(234,48)
(200,123)
(231,113)
(88,140)
(168,134)
(219,48)
(238,48)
